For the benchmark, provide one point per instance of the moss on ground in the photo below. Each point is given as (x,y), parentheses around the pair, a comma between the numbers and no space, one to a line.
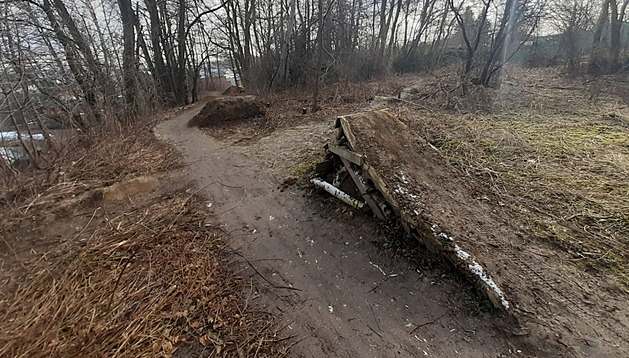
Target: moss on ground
(308,164)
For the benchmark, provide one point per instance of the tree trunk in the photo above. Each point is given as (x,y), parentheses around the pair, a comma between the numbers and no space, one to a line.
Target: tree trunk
(617,16)
(142,43)
(315,93)
(162,72)
(507,18)
(128,58)
(84,48)
(75,66)
(181,97)
(598,48)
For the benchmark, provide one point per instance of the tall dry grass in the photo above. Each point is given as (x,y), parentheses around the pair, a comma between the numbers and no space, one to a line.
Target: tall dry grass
(139,280)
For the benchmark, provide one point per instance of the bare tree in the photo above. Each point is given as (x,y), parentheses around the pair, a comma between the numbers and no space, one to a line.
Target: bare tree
(471,40)
(606,55)
(571,18)
(319,63)
(516,21)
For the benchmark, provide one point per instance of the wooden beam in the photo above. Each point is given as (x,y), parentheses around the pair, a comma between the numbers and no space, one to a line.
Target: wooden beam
(363,190)
(346,154)
(347,130)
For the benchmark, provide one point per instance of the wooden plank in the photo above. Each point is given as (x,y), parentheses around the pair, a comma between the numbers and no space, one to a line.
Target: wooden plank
(347,130)
(363,190)
(382,188)
(346,154)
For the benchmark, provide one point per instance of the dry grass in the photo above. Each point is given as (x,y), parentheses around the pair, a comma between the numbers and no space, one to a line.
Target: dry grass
(335,100)
(556,155)
(80,164)
(137,281)
(136,286)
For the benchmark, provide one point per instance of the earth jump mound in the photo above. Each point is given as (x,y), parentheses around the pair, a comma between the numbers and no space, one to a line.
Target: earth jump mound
(228,109)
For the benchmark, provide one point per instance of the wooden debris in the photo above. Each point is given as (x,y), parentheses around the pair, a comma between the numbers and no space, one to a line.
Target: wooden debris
(363,190)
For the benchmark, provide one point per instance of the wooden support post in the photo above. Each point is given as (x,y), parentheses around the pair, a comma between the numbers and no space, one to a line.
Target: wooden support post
(363,190)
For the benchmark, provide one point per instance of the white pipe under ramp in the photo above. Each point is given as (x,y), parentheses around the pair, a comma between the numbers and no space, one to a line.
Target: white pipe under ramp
(342,196)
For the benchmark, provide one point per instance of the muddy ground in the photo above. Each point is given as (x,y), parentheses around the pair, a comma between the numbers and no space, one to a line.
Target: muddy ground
(336,280)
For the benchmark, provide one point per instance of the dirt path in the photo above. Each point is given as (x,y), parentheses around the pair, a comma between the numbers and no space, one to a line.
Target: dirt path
(319,271)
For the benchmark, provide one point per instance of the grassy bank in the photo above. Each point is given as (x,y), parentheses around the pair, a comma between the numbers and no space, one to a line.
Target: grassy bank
(554,153)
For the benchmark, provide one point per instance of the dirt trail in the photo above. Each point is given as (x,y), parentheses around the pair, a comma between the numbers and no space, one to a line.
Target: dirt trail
(319,271)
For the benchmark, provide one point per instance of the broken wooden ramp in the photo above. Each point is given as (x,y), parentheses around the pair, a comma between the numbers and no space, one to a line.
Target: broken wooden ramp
(397,173)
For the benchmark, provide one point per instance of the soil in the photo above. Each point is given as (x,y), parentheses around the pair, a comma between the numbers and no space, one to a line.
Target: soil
(233,90)
(552,301)
(110,253)
(340,285)
(228,111)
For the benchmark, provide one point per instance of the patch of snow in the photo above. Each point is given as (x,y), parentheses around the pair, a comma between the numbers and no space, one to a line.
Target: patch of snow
(378,267)
(403,177)
(461,254)
(473,266)
(434,228)
(9,154)
(477,269)
(403,191)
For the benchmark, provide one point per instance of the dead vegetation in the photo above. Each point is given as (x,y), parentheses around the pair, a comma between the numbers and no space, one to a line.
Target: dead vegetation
(83,162)
(438,90)
(140,278)
(141,283)
(556,151)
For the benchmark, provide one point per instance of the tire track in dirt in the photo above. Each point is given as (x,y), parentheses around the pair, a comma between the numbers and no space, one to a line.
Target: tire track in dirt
(346,297)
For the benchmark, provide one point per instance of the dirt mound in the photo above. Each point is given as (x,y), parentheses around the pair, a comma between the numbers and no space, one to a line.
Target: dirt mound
(222,110)
(233,90)
(121,190)
(459,216)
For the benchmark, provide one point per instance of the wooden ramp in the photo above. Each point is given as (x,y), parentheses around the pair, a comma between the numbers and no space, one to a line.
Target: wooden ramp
(398,174)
